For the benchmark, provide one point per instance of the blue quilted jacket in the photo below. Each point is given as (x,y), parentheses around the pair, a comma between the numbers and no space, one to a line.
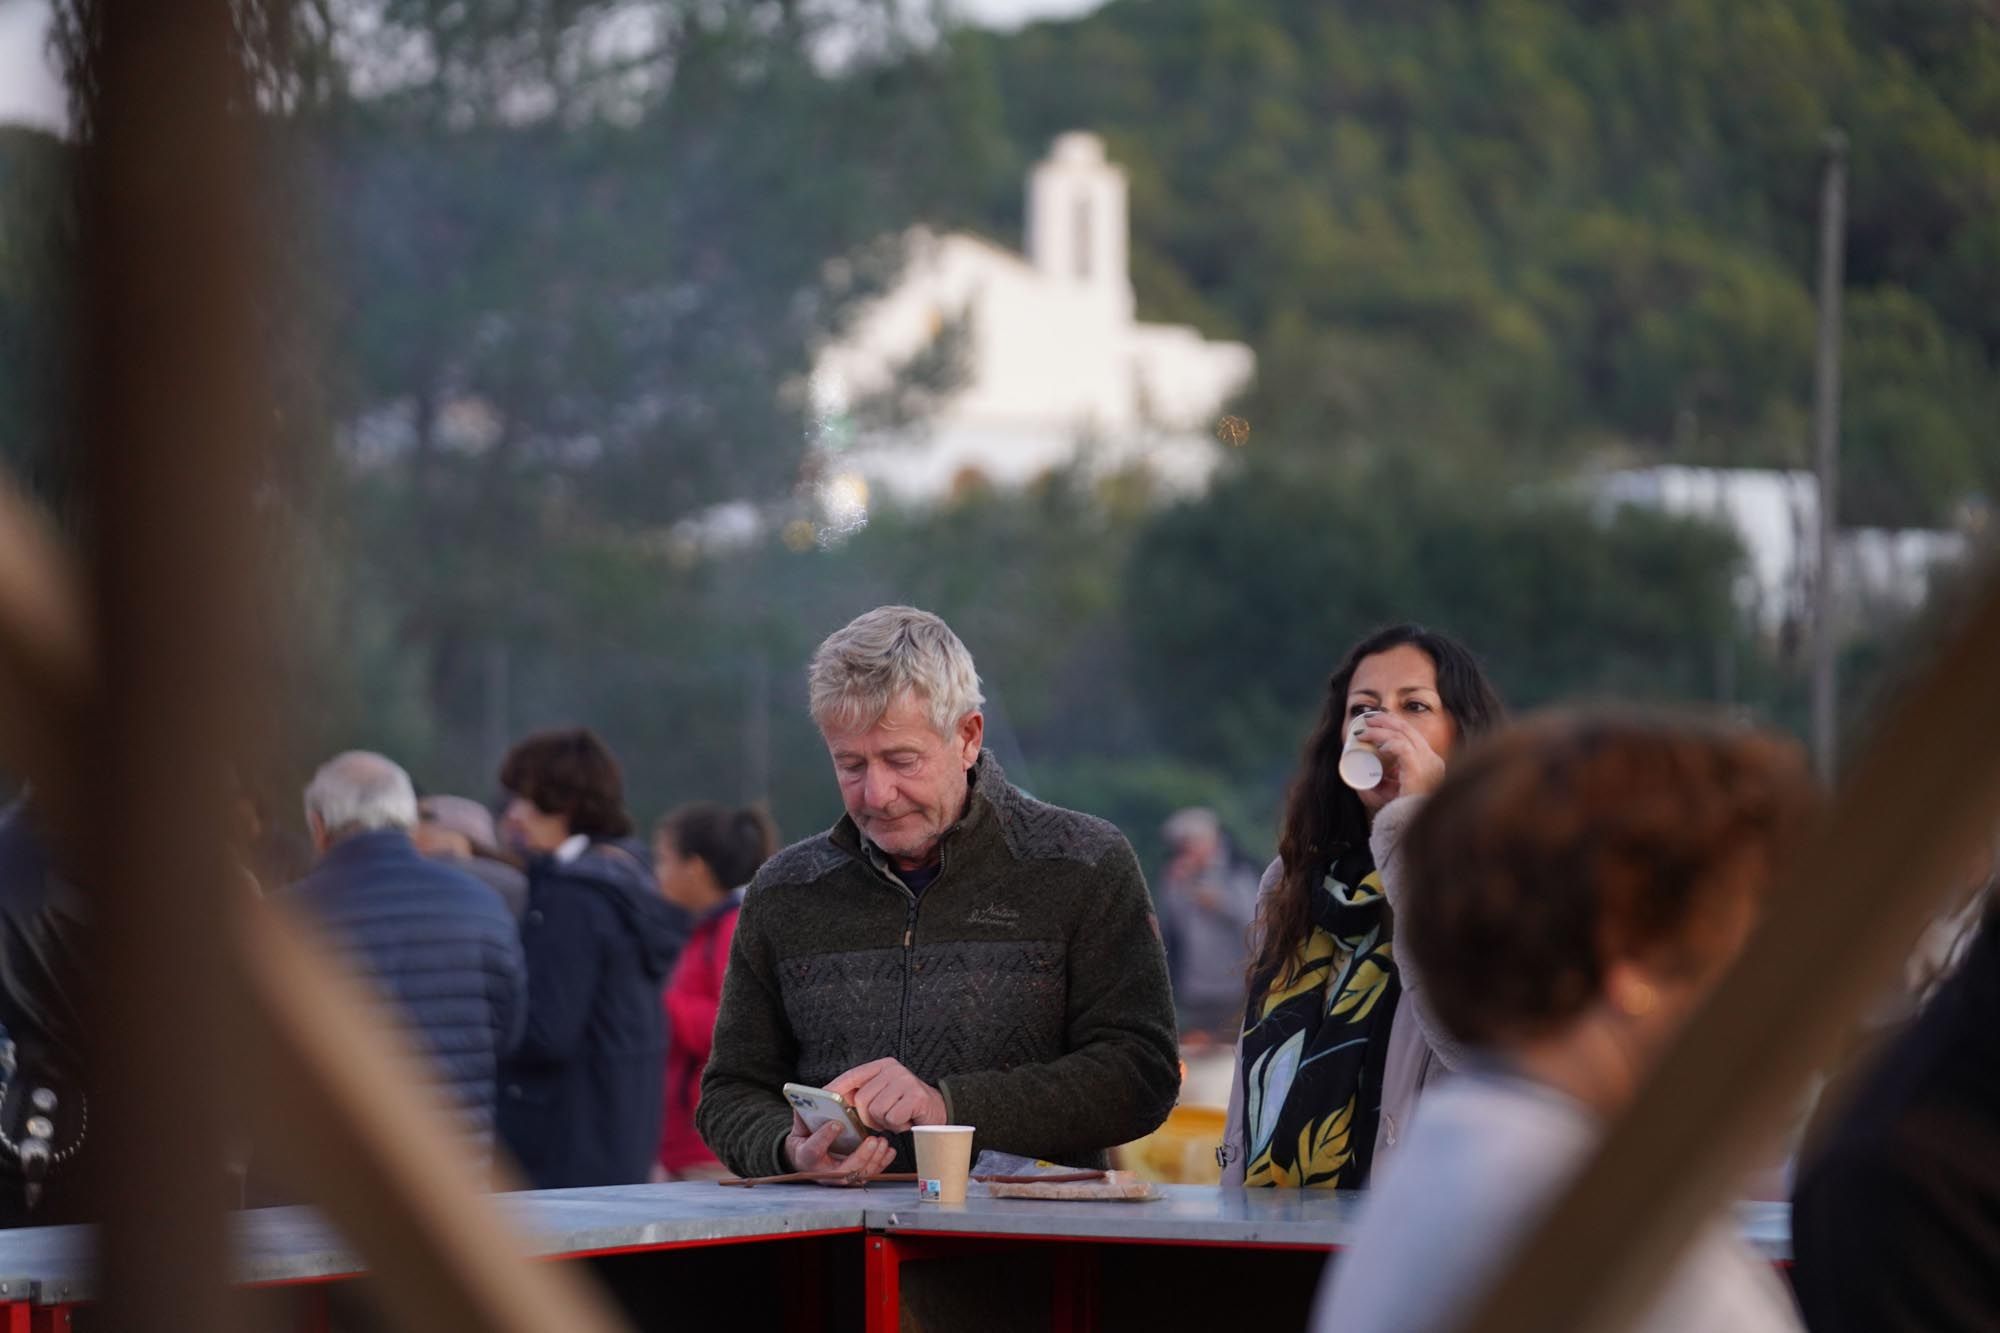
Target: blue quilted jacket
(440,946)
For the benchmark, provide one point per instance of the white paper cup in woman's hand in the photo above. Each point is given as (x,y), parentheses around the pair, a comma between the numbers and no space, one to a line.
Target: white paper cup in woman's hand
(1360,766)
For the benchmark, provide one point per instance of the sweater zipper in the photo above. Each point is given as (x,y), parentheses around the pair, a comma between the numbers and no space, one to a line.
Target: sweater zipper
(910,960)
(909,964)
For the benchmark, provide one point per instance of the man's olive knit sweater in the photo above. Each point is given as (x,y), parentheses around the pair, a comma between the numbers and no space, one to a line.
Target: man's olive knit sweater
(1026,983)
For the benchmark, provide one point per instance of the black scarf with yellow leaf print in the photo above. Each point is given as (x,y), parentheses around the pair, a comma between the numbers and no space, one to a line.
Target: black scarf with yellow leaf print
(1314,1046)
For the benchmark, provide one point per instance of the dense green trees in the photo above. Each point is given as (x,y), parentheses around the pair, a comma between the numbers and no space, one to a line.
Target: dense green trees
(1545,230)
(564,332)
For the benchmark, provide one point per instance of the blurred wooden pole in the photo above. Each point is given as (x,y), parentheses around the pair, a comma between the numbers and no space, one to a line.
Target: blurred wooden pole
(334,1100)
(1921,800)
(342,1111)
(170,408)
(167,392)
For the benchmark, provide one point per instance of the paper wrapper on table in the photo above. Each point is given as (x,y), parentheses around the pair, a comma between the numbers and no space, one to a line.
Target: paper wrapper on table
(1117,1186)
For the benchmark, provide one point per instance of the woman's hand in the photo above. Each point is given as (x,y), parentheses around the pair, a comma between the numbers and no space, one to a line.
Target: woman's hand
(1414,768)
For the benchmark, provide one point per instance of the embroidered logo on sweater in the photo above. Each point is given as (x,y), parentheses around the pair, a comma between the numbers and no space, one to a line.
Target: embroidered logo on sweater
(995,916)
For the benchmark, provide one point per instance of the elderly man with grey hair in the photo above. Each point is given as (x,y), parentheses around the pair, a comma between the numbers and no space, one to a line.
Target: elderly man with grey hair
(951,952)
(439,945)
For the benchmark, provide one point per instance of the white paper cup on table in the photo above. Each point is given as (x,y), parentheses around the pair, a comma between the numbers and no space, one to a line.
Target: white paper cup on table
(944,1162)
(1360,766)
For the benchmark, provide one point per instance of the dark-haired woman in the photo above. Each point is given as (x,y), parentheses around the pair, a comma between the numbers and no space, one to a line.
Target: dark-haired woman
(1335,1048)
(580,1097)
(703,855)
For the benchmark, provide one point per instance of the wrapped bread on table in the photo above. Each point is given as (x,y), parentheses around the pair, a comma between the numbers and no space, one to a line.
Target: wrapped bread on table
(1121,1186)
(1006,1176)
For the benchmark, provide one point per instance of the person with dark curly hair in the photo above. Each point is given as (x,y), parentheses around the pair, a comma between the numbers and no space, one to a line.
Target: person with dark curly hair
(1571,892)
(1335,1048)
(580,1101)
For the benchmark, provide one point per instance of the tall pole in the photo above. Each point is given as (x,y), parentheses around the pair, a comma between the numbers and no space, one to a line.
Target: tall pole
(757,729)
(1826,453)
(496,724)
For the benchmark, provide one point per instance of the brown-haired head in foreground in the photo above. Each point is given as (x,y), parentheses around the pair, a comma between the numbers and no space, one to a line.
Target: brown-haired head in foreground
(1582,839)
(570,772)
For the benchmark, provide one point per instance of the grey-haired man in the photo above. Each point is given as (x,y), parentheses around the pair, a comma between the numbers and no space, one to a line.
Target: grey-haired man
(951,952)
(434,942)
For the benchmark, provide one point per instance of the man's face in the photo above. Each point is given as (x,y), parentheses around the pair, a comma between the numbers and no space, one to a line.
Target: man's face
(435,840)
(526,827)
(902,783)
(1196,852)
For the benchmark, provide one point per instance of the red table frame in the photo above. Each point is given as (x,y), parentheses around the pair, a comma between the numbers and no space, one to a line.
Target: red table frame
(1073,1306)
(803,1305)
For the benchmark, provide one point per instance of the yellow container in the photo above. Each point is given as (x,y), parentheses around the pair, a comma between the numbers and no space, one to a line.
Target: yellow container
(1181,1151)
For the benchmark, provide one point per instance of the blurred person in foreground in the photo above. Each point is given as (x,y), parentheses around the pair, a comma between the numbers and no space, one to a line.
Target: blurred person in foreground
(1207,897)
(1337,1044)
(952,951)
(1948,937)
(458,831)
(580,1100)
(1571,893)
(1896,1210)
(704,855)
(45,942)
(1938,955)
(433,941)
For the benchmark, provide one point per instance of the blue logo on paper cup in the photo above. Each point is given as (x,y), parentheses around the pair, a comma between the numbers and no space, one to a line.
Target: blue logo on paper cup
(928,1191)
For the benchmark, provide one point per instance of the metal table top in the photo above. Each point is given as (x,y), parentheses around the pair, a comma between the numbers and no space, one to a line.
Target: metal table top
(277,1245)
(1205,1213)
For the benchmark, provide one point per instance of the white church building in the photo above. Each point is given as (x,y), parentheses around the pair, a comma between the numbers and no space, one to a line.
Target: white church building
(1053,361)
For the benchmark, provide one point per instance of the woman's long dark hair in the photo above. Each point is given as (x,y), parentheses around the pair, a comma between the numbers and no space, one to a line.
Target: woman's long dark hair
(1323,816)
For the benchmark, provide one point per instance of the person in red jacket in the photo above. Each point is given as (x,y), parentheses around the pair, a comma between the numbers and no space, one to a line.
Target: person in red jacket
(703,855)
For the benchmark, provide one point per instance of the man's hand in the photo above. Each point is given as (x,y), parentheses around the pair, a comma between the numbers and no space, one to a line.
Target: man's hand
(813,1151)
(889,1097)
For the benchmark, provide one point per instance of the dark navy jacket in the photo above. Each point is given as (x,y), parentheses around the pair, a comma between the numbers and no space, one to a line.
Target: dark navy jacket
(440,945)
(581,1099)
